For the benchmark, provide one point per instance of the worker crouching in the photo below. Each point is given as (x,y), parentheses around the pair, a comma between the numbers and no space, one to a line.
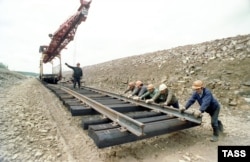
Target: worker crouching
(151,91)
(207,104)
(164,97)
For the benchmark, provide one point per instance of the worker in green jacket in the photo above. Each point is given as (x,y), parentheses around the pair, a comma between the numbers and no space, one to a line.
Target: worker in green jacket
(165,97)
(151,91)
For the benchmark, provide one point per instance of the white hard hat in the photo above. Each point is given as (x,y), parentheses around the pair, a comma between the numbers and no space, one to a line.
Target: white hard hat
(162,87)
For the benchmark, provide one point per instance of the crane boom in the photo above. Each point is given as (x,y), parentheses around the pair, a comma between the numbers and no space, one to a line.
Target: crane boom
(66,32)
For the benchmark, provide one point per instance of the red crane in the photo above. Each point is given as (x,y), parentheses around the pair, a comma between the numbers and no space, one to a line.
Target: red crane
(61,38)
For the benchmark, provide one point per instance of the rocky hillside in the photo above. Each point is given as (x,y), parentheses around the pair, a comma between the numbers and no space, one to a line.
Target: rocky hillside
(223,64)
(8,78)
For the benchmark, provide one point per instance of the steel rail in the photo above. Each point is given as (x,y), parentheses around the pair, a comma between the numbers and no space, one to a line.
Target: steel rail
(156,107)
(124,121)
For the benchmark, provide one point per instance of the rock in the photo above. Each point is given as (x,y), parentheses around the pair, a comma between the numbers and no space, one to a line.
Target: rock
(232,103)
(187,158)
(247,100)
(247,83)
(38,154)
(182,161)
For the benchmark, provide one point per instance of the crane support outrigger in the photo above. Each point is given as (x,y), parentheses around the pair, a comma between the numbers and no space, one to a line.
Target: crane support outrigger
(60,39)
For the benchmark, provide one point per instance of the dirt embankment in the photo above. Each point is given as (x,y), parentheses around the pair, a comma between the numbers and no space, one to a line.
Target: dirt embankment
(222,64)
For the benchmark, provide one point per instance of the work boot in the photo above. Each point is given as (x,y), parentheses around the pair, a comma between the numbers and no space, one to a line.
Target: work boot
(221,129)
(215,136)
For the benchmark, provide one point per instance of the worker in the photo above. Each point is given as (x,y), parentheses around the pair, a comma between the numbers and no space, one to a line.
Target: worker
(77,74)
(151,91)
(207,104)
(165,97)
(139,90)
(130,88)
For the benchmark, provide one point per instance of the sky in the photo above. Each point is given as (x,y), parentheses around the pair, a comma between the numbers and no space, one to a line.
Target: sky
(114,28)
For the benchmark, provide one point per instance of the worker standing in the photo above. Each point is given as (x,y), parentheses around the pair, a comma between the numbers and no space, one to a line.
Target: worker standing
(207,104)
(77,74)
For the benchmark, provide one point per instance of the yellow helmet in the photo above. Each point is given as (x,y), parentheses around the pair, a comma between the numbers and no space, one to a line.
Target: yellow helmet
(197,84)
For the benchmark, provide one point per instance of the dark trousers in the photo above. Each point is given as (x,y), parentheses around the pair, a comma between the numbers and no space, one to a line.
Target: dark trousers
(78,81)
(215,122)
(214,118)
(176,105)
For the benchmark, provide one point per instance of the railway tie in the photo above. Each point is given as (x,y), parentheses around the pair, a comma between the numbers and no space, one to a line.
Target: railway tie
(112,119)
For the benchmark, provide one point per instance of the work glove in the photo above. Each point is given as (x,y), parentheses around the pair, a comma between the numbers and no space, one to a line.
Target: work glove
(182,109)
(136,98)
(163,104)
(129,96)
(197,114)
(149,101)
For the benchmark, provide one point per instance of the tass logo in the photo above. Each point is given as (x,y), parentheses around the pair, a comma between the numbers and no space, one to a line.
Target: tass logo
(233,153)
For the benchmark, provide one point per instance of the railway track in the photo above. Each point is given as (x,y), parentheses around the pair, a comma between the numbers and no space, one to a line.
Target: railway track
(112,119)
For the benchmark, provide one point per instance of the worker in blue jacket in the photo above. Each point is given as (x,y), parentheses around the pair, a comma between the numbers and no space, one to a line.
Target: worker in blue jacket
(207,104)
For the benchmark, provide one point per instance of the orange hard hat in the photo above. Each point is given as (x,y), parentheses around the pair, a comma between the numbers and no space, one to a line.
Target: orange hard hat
(197,84)
(131,84)
(138,83)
